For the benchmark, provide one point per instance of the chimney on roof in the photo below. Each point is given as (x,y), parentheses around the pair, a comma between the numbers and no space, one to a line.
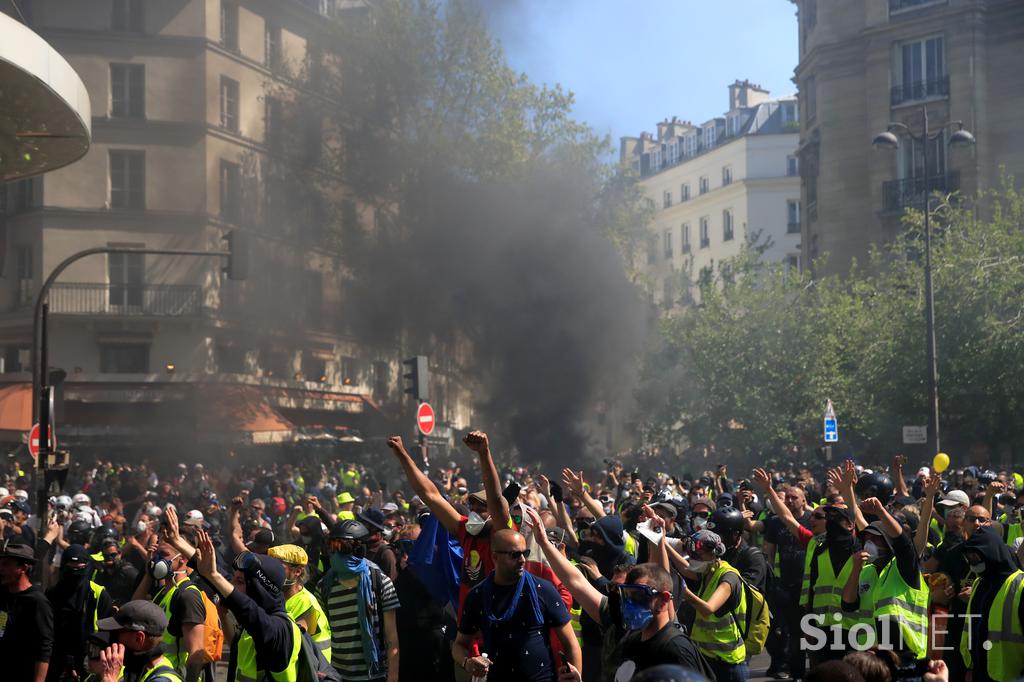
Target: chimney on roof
(744,94)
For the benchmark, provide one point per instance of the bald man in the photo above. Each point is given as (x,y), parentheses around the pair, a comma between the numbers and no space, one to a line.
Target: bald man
(514,612)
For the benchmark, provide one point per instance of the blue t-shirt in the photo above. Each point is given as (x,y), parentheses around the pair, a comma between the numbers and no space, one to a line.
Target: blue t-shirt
(519,648)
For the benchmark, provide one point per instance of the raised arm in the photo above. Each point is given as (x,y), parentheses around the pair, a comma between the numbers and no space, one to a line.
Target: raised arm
(172,534)
(497,507)
(898,462)
(561,512)
(874,506)
(574,482)
(764,483)
(931,488)
(991,490)
(579,587)
(235,526)
(425,488)
(847,486)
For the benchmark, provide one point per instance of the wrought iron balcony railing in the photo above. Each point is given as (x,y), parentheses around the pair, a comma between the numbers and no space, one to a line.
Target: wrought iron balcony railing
(910,192)
(919,90)
(161,300)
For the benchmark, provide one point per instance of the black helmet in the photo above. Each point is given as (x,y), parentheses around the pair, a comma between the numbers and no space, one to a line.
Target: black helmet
(102,533)
(875,484)
(349,530)
(78,532)
(725,520)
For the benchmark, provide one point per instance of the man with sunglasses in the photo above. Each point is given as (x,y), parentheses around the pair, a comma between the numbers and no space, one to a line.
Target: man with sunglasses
(119,577)
(515,613)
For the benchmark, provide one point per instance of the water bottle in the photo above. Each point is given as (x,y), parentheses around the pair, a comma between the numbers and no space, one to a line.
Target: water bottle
(479,678)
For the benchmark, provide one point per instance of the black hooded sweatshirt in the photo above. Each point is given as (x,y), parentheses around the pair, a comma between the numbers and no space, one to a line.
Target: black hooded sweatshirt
(261,613)
(1000,563)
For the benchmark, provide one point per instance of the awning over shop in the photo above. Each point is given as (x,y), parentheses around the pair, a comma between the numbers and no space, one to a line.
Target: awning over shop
(225,411)
(16,407)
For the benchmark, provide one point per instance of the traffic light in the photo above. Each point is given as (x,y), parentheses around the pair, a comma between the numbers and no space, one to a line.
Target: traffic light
(417,378)
(238,255)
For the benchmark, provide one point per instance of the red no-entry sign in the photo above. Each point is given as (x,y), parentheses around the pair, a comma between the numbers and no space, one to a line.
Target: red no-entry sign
(33,440)
(425,418)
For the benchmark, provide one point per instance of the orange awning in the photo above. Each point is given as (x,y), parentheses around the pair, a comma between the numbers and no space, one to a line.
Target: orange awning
(229,410)
(16,407)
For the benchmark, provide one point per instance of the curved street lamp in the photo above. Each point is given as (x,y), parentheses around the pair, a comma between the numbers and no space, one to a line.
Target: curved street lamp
(889,141)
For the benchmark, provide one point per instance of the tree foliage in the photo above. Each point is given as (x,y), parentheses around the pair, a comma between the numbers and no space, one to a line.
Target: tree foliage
(754,363)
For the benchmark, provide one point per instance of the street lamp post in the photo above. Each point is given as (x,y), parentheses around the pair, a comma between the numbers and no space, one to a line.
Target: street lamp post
(237,268)
(889,141)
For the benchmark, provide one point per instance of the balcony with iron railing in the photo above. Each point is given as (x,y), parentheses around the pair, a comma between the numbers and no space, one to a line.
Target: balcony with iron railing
(910,192)
(125,300)
(915,91)
(900,5)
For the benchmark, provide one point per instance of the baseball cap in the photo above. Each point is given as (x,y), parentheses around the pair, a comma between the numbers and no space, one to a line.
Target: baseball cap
(21,506)
(954,498)
(924,471)
(194,518)
(666,507)
(139,615)
(264,536)
(372,518)
(74,554)
(289,554)
(705,501)
(389,508)
(16,550)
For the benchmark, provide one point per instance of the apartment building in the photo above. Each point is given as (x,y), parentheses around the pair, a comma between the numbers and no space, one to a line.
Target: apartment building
(198,130)
(865,64)
(718,185)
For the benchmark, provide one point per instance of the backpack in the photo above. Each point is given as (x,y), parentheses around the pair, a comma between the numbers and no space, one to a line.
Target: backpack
(758,621)
(213,633)
(313,666)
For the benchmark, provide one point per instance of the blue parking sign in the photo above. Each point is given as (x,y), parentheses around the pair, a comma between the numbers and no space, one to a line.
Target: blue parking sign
(831,430)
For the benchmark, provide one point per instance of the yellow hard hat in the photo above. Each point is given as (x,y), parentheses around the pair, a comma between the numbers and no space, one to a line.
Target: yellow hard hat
(289,554)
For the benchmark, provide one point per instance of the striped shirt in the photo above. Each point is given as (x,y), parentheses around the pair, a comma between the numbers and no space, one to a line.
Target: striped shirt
(346,640)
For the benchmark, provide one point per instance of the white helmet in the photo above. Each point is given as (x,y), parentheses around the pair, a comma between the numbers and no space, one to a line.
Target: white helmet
(62,502)
(21,495)
(3,492)
(81,499)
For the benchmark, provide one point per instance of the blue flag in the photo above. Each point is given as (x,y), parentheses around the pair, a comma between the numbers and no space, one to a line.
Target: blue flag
(436,559)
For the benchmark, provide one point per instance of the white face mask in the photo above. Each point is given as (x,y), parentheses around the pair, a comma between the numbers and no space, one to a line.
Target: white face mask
(872,550)
(475,523)
(698,566)
(699,522)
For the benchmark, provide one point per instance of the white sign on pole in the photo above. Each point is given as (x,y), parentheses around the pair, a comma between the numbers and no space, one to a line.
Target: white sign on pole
(915,435)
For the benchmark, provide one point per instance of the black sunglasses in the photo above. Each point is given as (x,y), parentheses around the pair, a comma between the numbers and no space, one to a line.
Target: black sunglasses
(514,553)
(703,515)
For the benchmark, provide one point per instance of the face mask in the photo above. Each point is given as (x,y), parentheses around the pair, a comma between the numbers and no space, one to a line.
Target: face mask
(475,524)
(978,569)
(76,572)
(872,550)
(699,522)
(635,616)
(698,566)
(387,534)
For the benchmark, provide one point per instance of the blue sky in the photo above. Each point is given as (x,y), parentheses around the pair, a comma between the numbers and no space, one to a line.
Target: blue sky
(632,63)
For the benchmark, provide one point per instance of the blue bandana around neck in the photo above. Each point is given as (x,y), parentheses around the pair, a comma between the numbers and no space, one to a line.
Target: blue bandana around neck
(525,580)
(346,567)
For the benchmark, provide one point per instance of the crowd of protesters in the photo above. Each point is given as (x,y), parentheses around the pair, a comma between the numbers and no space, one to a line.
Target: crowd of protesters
(642,571)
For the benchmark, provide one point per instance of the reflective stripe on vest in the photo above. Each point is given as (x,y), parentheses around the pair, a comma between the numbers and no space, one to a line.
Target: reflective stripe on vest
(1006,657)
(828,594)
(892,599)
(719,637)
(245,661)
(1013,531)
(301,602)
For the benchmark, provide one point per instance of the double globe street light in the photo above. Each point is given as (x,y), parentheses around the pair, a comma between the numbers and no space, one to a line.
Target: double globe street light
(890,142)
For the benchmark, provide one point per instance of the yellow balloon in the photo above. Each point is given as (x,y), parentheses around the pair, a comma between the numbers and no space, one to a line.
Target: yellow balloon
(1018,481)
(941,462)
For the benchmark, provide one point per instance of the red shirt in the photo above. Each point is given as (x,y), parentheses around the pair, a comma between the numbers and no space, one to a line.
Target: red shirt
(477,562)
